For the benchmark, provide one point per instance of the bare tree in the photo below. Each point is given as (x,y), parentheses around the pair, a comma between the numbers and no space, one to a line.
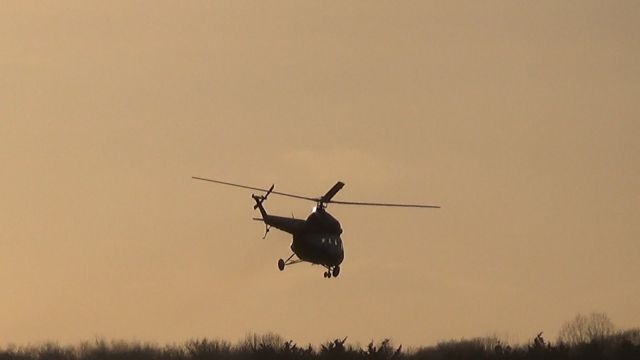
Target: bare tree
(584,329)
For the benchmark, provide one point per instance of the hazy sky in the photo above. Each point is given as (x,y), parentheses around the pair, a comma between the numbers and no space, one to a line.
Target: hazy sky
(521,119)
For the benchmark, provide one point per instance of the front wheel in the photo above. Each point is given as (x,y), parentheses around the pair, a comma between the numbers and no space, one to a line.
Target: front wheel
(336,271)
(281,264)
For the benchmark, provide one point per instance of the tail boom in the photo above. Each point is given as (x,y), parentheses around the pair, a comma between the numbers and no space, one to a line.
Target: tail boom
(289,225)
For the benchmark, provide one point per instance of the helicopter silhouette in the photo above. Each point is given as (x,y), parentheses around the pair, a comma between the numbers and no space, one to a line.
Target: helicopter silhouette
(317,239)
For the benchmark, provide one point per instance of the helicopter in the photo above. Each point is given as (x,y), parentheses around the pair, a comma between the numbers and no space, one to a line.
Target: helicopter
(316,240)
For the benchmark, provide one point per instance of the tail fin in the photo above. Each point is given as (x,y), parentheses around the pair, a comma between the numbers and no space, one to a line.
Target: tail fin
(259,199)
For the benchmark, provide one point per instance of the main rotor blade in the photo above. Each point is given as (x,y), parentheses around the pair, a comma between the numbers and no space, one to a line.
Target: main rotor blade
(383,204)
(332,192)
(255,188)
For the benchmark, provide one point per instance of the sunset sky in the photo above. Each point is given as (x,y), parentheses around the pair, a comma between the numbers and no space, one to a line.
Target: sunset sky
(521,119)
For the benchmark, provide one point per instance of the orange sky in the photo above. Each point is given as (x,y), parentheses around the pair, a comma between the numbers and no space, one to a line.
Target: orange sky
(519,118)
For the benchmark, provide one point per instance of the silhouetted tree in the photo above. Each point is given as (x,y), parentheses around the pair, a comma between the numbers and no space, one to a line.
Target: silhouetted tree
(52,351)
(207,349)
(254,343)
(335,350)
(385,351)
(584,329)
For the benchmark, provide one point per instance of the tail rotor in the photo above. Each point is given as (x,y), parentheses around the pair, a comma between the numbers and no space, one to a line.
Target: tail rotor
(260,198)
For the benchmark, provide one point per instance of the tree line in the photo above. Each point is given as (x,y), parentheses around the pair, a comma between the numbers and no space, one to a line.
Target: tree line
(584,337)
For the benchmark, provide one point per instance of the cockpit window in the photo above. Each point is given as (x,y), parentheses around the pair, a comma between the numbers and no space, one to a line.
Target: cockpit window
(332,240)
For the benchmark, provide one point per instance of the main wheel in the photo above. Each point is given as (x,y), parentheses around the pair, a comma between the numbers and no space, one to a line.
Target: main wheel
(336,271)
(281,264)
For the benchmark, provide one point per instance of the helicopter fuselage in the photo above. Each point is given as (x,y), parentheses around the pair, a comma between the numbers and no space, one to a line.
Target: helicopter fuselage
(319,241)
(316,240)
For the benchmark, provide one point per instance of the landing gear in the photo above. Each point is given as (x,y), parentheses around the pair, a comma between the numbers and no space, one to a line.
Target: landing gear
(283,263)
(336,271)
(332,272)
